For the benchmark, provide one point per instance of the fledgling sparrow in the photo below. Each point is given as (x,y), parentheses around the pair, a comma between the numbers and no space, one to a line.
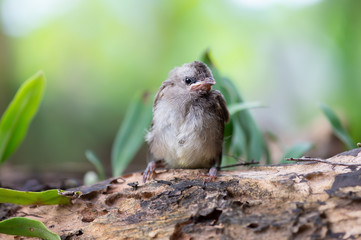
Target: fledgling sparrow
(188,121)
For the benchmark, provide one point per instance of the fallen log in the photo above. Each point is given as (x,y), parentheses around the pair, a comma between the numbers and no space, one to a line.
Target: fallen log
(305,200)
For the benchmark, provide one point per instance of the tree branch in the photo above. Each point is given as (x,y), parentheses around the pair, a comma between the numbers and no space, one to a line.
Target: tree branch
(309,159)
(239,164)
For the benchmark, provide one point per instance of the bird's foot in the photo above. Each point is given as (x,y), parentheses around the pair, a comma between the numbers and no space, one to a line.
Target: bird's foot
(212,174)
(150,169)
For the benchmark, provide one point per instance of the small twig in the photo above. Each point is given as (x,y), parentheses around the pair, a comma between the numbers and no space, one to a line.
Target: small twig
(235,157)
(239,164)
(309,159)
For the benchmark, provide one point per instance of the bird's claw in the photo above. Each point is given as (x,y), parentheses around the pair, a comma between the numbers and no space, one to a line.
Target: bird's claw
(212,174)
(148,172)
(150,169)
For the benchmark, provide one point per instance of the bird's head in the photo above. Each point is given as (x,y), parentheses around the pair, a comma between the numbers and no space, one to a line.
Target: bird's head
(194,77)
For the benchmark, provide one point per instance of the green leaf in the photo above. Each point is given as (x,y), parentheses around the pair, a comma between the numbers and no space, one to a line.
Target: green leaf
(97,164)
(337,127)
(49,197)
(237,144)
(17,117)
(131,133)
(237,107)
(297,151)
(25,227)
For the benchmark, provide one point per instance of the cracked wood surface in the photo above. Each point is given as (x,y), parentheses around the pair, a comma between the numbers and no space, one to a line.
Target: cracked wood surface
(297,201)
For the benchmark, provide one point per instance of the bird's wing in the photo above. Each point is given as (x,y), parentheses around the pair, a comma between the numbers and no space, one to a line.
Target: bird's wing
(158,96)
(160,92)
(222,111)
(221,106)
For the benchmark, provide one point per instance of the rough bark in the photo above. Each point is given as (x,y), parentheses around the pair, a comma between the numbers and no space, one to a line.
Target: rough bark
(296,201)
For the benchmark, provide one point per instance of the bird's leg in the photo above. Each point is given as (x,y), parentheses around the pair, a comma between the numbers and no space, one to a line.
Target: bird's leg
(212,174)
(150,169)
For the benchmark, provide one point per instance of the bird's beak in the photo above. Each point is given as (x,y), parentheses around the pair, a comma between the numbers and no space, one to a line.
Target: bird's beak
(203,85)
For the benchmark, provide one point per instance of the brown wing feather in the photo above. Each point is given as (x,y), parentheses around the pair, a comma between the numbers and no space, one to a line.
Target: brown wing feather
(222,107)
(158,96)
(222,111)
(160,92)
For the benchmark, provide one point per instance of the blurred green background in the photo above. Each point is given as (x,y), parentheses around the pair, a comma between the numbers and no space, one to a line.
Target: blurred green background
(96,55)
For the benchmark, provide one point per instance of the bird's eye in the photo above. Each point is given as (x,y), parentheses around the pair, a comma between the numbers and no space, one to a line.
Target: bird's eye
(187,80)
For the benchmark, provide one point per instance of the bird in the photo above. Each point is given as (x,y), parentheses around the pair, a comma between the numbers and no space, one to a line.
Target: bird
(188,123)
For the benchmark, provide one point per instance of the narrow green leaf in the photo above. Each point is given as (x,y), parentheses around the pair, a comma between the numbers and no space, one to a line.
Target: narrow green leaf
(297,151)
(257,146)
(237,145)
(92,158)
(17,117)
(26,227)
(337,127)
(130,135)
(49,197)
(237,107)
